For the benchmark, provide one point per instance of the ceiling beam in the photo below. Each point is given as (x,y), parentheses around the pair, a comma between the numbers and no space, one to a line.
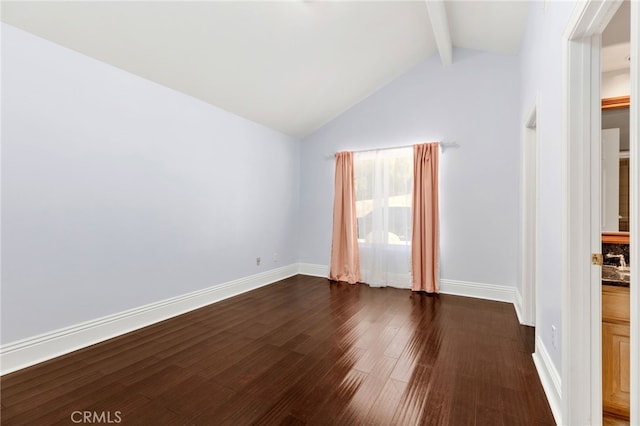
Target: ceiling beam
(440,27)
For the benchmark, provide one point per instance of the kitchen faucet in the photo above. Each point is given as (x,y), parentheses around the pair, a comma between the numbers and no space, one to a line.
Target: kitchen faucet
(623,263)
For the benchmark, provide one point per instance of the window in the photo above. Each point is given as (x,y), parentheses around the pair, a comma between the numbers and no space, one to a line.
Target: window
(384,182)
(384,185)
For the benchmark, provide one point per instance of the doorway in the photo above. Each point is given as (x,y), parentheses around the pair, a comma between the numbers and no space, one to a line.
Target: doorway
(582,298)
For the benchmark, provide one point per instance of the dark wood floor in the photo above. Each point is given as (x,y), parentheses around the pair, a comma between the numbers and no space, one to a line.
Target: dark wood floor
(301,351)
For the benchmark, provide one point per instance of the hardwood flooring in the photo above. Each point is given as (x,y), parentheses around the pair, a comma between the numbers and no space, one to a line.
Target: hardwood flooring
(300,351)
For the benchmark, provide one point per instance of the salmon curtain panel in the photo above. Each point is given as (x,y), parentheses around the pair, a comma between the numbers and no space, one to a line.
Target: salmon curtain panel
(345,256)
(424,236)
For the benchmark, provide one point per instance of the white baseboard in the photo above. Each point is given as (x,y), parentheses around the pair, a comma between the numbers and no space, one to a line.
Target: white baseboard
(517,304)
(313,270)
(499,293)
(550,379)
(33,350)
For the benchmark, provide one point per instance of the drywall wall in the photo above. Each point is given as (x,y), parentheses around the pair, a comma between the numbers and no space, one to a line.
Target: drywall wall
(541,83)
(616,83)
(474,102)
(118,192)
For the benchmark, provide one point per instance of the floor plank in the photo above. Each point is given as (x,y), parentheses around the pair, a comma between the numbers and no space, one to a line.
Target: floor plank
(299,352)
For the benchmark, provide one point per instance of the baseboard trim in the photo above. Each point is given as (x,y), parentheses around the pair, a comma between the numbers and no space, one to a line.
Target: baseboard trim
(498,293)
(313,270)
(517,304)
(30,351)
(551,382)
(27,352)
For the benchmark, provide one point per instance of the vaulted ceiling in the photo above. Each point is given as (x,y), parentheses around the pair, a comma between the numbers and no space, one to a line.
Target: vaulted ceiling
(290,65)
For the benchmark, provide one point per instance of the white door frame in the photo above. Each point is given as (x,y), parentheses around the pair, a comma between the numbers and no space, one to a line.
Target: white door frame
(581,285)
(529,206)
(634,214)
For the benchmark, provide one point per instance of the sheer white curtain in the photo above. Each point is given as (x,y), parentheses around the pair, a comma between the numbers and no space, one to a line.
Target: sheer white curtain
(384,183)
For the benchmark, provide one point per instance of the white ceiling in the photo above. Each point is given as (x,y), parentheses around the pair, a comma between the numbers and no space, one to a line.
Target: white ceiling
(291,66)
(616,38)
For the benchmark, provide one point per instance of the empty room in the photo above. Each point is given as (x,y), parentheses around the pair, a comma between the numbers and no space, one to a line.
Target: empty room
(320,212)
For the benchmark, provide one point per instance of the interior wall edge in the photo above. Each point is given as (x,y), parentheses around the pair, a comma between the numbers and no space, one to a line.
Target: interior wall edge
(517,304)
(550,378)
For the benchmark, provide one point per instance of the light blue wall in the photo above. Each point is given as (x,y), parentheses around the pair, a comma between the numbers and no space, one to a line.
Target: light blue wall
(541,79)
(475,102)
(118,192)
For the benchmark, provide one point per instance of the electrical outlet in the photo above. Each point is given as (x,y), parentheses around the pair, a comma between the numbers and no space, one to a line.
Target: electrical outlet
(275,257)
(554,342)
(258,261)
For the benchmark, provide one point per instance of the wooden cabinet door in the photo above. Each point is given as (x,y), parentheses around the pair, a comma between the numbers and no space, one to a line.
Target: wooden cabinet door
(615,369)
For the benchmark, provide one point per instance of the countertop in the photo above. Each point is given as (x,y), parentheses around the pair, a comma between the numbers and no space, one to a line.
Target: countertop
(616,283)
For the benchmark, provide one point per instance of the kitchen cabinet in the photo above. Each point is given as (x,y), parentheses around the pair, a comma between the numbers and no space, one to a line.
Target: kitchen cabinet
(615,350)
